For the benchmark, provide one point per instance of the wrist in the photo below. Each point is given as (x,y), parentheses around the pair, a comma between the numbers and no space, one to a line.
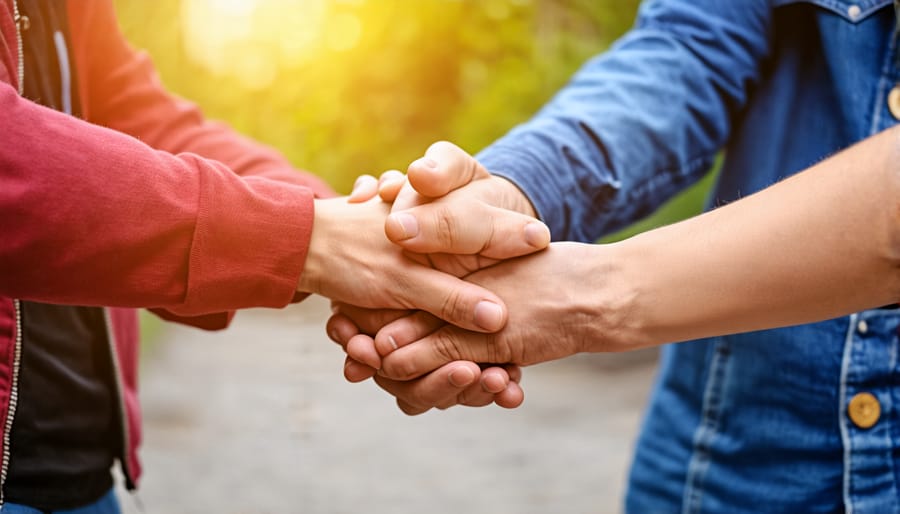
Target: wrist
(311,277)
(616,291)
(509,196)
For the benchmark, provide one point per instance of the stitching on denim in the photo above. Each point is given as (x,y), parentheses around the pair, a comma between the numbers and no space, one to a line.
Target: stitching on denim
(707,429)
(889,400)
(867,7)
(884,83)
(842,412)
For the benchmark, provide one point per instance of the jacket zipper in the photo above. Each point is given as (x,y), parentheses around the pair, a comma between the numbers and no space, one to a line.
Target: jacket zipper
(123,415)
(13,398)
(22,24)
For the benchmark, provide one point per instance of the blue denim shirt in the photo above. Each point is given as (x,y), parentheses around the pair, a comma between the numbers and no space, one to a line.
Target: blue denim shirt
(754,422)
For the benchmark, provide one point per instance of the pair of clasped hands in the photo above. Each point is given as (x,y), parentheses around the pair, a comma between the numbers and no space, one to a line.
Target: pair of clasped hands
(441,281)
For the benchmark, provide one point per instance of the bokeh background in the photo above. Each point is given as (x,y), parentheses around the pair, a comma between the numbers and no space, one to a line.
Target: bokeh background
(257,419)
(345,87)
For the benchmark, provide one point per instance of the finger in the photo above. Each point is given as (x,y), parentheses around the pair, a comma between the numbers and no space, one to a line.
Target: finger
(361,348)
(454,300)
(406,330)
(494,379)
(444,168)
(440,388)
(365,188)
(466,227)
(514,371)
(357,372)
(511,397)
(473,396)
(447,344)
(369,321)
(411,410)
(340,329)
(389,185)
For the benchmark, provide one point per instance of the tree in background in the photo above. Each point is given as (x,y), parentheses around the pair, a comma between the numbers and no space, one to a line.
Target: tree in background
(345,87)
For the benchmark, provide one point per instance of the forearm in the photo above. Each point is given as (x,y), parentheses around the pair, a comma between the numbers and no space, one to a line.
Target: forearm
(120,89)
(823,243)
(91,216)
(640,122)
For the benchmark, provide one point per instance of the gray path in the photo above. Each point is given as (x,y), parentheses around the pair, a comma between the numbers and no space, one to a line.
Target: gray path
(258,419)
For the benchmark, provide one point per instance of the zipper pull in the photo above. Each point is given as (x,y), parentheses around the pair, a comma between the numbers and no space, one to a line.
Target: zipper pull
(23,22)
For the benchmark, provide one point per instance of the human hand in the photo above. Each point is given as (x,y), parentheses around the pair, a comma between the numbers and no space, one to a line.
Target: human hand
(574,302)
(451,205)
(386,186)
(351,260)
(465,223)
(455,383)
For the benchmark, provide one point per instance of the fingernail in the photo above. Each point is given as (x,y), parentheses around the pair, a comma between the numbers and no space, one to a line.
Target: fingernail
(408,224)
(334,336)
(393,342)
(489,316)
(356,183)
(493,384)
(537,235)
(461,376)
(429,163)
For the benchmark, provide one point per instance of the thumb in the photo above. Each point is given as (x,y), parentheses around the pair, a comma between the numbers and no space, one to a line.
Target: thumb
(466,228)
(444,168)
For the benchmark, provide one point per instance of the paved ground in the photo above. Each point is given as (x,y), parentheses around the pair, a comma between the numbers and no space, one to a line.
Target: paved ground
(258,420)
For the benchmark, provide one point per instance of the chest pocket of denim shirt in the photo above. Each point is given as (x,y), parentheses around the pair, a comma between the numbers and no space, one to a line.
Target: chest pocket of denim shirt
(850,10)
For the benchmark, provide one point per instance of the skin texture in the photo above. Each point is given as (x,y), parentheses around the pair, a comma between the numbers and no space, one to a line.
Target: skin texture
(501,234)
(350,259)
(825,242)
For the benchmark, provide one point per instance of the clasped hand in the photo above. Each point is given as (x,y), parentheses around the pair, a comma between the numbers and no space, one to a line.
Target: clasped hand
(427,343)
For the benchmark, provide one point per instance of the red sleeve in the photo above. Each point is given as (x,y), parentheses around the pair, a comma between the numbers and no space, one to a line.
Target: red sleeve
(91,216)
(120,89)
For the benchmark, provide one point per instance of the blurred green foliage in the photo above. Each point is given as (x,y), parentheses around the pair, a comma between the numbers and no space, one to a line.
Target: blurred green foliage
(345,87)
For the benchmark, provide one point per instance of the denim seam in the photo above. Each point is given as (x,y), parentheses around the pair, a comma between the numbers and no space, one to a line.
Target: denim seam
(889,407)
(842,421)
(884,83)
(706,430)
(867,8)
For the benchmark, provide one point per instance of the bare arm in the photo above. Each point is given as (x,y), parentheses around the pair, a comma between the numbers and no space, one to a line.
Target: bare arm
(823,243)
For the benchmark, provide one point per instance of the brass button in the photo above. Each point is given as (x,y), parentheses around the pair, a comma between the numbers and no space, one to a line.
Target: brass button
(894,102)
(864,410)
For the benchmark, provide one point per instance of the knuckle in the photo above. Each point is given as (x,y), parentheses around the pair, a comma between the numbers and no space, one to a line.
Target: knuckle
(439,146)
(398,369)
(447,230)
(453,308)
(498,348)
(446,347)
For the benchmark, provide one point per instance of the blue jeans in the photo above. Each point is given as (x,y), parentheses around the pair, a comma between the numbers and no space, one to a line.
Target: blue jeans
(108,504)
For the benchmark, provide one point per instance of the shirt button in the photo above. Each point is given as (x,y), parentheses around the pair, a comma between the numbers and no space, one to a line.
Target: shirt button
(862,327)
(894,102)
(853,12)
(864,410)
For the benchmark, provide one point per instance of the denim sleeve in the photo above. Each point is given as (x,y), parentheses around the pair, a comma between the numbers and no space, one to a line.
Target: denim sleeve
(641,121)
